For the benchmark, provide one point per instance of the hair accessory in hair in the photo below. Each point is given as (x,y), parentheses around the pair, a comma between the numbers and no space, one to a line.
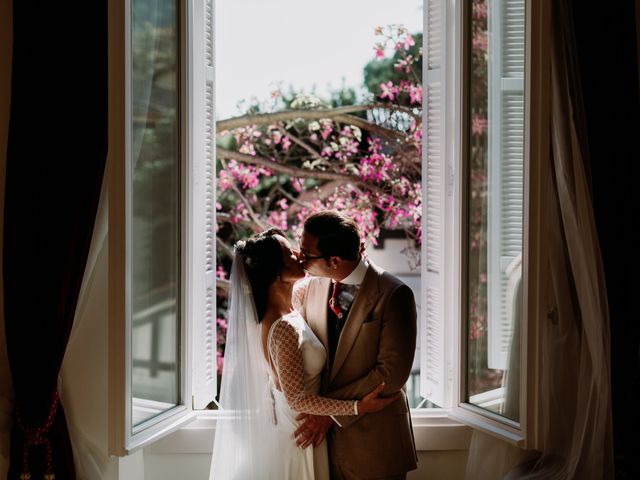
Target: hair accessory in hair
(239,246)
(243,248)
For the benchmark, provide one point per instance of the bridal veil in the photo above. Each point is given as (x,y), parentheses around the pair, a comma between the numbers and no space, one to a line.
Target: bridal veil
(244,445)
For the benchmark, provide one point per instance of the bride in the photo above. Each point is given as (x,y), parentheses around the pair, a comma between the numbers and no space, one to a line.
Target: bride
(272,372)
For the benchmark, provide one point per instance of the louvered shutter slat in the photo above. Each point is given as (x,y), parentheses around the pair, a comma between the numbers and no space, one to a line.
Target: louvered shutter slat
(433,366)
(505,170)
(204,247)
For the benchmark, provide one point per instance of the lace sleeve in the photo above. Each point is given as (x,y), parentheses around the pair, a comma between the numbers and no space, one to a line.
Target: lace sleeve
(299,293)
(284,348)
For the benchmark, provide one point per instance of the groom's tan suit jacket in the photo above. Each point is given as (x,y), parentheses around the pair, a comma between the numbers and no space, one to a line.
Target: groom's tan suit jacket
(377,344)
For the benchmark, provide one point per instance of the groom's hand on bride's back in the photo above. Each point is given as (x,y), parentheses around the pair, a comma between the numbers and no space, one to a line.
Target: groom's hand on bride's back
(372,402)
(312,429)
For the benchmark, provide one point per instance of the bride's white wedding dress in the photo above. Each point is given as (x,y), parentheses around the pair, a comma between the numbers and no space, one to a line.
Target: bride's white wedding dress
(299,358)
(254,431)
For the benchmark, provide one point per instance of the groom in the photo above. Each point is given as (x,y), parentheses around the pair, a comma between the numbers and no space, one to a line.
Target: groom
(366,319)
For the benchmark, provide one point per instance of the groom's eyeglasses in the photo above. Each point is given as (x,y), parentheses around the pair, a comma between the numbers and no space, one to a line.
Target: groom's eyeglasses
(305,257)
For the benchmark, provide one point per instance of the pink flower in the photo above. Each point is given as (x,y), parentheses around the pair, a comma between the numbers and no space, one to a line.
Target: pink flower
(286,143)
(247,148)
(219,361)
(297,184)
(224,181)
(478,125)
(239,214)
(222,323)
(220,273)
(475,331)
(480,10)
(404,65)
(282,203)
(388,90)
(479,40)
(408,41)
(415,94)
(327,128)
(278,220)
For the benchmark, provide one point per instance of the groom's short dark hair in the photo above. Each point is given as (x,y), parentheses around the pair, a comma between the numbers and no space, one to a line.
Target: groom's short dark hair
(338,235)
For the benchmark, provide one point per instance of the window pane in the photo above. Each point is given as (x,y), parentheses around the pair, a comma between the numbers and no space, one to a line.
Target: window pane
(495,204)
(155,218)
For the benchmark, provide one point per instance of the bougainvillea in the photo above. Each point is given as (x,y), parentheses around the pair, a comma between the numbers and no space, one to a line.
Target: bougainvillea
(294,154)
(289,157)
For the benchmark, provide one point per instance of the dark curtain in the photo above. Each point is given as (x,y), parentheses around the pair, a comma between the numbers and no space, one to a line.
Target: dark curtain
(56,155)
(607,50)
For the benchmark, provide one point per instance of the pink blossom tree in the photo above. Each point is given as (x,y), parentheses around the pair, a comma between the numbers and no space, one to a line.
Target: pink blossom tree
(294,155)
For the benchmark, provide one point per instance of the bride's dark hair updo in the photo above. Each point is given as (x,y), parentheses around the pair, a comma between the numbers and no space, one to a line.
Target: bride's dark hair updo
(263,262)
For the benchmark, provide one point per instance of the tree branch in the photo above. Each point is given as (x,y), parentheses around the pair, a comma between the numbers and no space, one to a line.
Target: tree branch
(289,170)
(246,203)
(226,248)
(371,127)
(299,142)
(250,223)
(269,118)
(222,284)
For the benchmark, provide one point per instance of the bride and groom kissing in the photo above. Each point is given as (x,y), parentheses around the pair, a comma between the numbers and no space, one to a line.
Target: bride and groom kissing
(315,366)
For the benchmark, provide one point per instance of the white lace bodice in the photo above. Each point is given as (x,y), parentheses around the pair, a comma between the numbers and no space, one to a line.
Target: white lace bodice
(299,359)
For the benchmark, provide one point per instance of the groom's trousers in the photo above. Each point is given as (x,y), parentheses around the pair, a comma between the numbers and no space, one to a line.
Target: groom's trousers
(338,472)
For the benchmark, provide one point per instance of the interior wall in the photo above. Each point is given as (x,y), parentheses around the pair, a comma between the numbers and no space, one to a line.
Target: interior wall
(434,465)
(6,389)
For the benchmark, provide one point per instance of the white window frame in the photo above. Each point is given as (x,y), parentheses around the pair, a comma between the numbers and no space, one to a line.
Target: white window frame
(198,331)
(523,433)
(124,438)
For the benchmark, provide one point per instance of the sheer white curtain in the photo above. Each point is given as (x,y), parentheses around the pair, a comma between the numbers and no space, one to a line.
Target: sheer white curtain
(82,401)
(576,350)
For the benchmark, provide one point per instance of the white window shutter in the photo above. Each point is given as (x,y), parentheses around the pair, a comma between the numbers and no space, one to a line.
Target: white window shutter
(505,170)
(433,364)
(203,282)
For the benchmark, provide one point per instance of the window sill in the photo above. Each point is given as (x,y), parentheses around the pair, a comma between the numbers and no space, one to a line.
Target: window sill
(433,429)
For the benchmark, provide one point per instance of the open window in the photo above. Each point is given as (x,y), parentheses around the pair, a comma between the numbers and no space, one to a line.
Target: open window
(479,285)
(481,204)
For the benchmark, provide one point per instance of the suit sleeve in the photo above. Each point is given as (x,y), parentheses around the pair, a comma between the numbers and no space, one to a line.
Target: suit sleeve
(395,352)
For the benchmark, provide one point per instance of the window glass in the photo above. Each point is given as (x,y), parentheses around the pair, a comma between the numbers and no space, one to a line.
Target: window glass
(495,204)
(155,228)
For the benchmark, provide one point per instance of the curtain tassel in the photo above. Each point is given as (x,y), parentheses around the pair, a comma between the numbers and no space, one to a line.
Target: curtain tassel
(38,436)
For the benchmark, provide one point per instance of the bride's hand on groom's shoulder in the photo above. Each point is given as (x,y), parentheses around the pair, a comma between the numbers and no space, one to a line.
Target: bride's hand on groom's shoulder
(372,402)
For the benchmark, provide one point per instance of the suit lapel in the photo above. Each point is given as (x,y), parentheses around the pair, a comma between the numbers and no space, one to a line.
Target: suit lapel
(317,309)
(365,300)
